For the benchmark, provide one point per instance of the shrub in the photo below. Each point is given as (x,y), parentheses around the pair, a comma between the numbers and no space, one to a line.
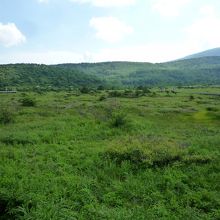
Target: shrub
(85,90)
(19,138)
(165,160)
(191,98)
(146,90)
(198,159)
(6,116)
(28,102)
(101,87)
(101,98)
(135,157)
(9,208)
(128,93)
(212,109)
(138,93)
(119,120)
(115,94)
(153,94)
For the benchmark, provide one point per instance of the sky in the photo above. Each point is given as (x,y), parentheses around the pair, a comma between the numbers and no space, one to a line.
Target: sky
(75,31)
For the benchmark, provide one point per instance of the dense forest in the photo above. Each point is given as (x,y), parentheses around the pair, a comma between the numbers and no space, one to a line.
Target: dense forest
(205,70)
(33,76)
(198,71)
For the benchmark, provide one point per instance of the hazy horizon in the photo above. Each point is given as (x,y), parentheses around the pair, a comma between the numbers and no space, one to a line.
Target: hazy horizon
(91,31)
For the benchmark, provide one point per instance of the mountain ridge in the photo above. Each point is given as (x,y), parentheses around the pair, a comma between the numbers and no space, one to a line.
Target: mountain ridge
(214,52)
(194,71)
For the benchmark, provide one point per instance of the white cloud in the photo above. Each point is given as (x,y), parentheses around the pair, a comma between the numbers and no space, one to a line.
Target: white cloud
(170,8)
(106,3)
(45,57)
(152,52)
(142,53)
(204,33)
(110,29)
(43,1)
(207,10)
(10,35)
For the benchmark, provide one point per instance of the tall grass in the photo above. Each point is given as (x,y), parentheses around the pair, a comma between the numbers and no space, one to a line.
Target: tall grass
(75,157)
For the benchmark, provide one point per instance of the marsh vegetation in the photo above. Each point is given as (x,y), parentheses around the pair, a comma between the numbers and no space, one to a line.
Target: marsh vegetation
(110,155)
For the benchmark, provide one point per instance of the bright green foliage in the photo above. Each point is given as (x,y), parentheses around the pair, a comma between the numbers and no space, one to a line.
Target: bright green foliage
(6,116)
(204,70)
(110,75)
(43,78)
(119,119)
(64,159)
(28,101)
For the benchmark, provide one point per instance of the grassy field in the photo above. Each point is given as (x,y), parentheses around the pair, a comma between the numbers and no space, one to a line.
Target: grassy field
(91,156)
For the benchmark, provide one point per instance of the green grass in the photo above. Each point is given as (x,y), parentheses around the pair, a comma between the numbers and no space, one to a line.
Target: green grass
(79,157)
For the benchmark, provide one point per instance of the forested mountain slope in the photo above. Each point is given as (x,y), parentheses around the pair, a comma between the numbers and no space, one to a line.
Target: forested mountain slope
(33,75)
(204,70)
(199,71)
(207,53)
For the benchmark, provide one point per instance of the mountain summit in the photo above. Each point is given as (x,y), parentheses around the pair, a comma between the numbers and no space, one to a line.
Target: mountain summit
(207,53)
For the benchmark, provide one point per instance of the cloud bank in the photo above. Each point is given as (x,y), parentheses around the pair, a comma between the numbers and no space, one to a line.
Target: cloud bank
(169,8)
(10,35)
(106,3)
(110,29)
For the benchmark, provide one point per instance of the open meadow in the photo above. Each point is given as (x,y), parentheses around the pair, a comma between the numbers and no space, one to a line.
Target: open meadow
(110,155)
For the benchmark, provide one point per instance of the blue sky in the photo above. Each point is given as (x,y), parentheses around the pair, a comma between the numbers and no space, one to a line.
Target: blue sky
(61,31)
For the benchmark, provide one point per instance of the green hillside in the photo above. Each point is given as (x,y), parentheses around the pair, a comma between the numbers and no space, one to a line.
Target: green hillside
(79,157)
(207,53)
(198,71)
(35,76)
(183,72)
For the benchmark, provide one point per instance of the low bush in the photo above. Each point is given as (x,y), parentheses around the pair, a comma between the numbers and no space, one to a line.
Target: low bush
(198,159)
(134,156)
(191,98)
(139,93)
(139,159)
(115,93)
(212,109)
(128,93)
(9,208)
(85,90)
(119,119)
(102,98)
(20,138)
(165,160)
(6,116)
(28,102)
